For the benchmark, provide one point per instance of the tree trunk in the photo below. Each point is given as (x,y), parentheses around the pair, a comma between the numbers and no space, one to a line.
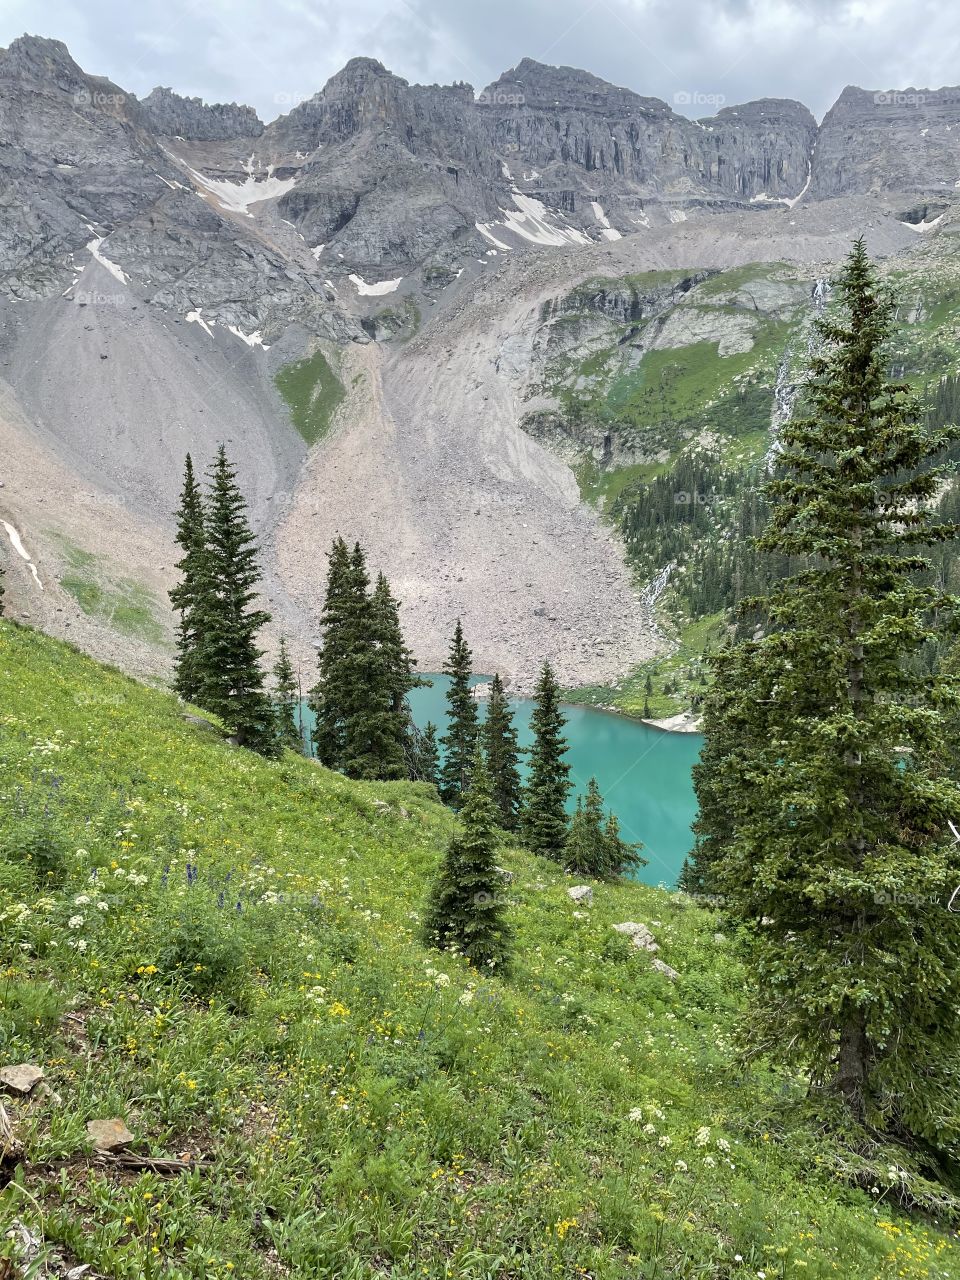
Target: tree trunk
(852,1061)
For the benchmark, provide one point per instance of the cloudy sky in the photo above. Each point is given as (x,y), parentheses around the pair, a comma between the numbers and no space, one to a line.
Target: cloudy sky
(696,54)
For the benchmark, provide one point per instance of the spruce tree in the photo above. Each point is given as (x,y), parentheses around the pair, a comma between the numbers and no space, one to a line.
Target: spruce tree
(465,912)
(327,696)
(428,756)
(231,677)
(287,694)
(399,672)
(460,740)
(192,595)
(594,846)
(824,800)
(499,738)
(544,818)
(374,726)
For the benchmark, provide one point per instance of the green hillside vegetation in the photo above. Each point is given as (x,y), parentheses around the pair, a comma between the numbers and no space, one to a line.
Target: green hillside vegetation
(122,603)
(223,951)
(312,392)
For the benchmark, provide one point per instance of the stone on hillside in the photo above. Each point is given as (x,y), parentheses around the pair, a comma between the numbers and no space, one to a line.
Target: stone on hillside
(662,967)
(505,875)
(638,934)
(20,1078)
(108,1135)
(199,722)
(581,893)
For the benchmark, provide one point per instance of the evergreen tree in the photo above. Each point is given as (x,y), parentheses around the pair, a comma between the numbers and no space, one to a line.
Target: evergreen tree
(460,740)
(464,912)
(327,697)
(823,797)
(499,738)
(428,756)
(231,677)
(192,596)
(287,694)
(398,665)
(594,847)
(544,818)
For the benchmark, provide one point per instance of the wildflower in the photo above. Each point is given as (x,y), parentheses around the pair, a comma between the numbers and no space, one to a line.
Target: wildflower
(723,1144)
(680,1166)
(664,1140)
(709,1162)
(649,1128)
(102,906)
(466,998)
(635,1114)
(338,1010)
(442,980)
(75,922)
(81,900)
(703,1136)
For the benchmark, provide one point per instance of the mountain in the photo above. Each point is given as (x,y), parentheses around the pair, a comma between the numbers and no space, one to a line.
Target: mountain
(470,329)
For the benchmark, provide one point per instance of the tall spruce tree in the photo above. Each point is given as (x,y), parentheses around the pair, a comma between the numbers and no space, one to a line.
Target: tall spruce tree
(499,739)
(400,674)
(823,797)
(374,725)
(594,846)
(465,912)
(543,822)
(192,596)
(286,692)
(327,699)
(231,678)
(460,740)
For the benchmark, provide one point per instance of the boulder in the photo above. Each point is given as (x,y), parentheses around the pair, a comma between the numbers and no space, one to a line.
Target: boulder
(108,1135)
(21,1078)
(662,967)
(581,894)
(638,934)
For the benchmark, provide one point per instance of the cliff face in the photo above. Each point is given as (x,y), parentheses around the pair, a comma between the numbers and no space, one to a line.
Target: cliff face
(168,114)
(568,124)
(904,141)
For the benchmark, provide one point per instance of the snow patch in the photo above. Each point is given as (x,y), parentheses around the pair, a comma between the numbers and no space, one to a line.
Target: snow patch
(317,250)
(483,228)
(254,339)
(375,290)
(608,232)
(529,220)
(238,196)
(94,249)
(194,317)
(677,215)
(17,544)
(922,226)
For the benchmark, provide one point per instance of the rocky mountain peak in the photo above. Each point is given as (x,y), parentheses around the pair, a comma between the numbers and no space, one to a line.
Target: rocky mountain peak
(169,114)
(37,58)
(539,86)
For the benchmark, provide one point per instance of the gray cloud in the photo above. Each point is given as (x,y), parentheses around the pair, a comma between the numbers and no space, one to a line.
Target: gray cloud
(272,54)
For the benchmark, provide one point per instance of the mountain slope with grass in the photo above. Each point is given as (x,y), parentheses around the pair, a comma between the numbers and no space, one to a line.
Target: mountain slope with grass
(223,953)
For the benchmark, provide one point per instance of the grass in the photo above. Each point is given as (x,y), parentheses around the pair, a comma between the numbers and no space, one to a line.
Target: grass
(123,603)
(682,668)
(224,953)
(312,392)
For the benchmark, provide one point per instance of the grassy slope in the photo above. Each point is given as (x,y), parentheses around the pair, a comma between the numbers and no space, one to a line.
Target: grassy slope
(370,1109)
(312,391)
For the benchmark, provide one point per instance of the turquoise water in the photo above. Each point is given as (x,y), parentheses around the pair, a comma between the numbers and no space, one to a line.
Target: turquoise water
(644,773)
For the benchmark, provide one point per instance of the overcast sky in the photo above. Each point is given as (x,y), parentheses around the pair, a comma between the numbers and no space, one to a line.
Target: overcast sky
(695,54)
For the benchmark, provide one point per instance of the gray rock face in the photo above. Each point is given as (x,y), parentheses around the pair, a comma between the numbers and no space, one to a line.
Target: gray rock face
(905,141)
(168,114)
(569,125)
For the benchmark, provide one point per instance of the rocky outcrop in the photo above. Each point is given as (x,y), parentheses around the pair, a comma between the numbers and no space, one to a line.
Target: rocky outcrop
(557,120)
(168,114)
(904,141)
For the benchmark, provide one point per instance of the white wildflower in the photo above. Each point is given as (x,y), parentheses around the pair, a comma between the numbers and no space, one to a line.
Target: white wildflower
(649,1128)
(75,922)
(680,1166)
(466,998)
(442,980)
(703,1136)
(81,900)
(664,1140)
(636,1114)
